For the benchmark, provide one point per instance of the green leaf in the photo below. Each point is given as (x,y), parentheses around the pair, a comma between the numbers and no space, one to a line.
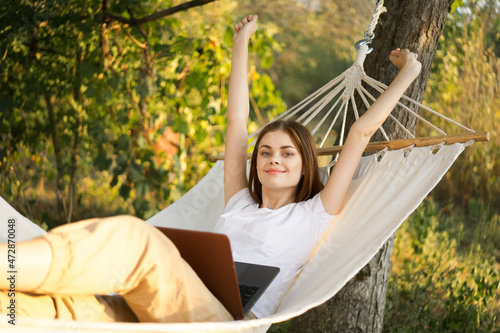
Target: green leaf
(124,191)
(141,188)
(88,70)
(219,138)
(102,162)
(456,4)
(267,61)
(91,92)
(115,81)
(123,142)
(141,206)
(180,125)
(121,164)
(136,172)
(114,181)
(6,105)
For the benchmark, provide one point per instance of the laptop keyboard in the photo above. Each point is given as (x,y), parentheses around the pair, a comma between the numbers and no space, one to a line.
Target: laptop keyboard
(246,292)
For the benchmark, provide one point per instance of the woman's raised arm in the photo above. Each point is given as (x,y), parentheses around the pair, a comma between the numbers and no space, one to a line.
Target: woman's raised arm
(359,135)
(238,109)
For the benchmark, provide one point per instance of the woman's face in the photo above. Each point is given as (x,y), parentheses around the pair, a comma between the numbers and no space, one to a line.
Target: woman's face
(279,164)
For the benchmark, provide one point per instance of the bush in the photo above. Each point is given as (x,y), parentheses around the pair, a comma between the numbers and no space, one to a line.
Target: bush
(440,280)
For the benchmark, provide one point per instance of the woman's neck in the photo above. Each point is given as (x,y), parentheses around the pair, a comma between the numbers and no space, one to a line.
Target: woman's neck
(274,199)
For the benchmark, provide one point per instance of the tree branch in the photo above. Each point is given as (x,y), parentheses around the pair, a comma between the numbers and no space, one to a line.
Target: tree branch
(163,13)
(135,41)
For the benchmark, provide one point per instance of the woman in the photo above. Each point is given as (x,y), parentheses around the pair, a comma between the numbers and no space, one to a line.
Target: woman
(285,210)
(276,219)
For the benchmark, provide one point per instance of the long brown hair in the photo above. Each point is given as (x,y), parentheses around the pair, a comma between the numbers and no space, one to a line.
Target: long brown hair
(310,183)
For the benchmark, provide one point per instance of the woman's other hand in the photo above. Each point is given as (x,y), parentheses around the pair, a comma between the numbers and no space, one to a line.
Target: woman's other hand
(405,58)
(246,27)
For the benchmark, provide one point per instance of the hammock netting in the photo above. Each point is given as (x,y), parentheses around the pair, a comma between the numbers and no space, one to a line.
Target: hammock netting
(386,188)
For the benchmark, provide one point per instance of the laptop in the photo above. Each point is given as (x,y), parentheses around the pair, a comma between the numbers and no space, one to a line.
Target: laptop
(236,285)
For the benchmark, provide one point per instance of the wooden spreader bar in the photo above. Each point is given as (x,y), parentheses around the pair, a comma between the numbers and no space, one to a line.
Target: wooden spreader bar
(398,144)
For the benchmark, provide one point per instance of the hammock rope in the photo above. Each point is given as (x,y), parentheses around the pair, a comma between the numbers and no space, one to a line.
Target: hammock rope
(379,9)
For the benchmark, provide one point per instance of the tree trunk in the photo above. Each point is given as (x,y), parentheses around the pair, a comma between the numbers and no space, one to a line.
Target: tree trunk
(75,157)
(416,25)
(57,152)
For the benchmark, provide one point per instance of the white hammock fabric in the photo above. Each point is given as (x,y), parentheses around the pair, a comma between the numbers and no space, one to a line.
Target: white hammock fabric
(387,187)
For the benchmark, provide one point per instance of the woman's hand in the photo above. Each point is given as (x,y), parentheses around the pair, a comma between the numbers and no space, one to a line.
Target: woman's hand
(246,27)
(405,58)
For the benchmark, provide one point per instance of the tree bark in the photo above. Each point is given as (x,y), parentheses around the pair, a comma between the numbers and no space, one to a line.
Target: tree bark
(77,96)
(57,151)
(416,25)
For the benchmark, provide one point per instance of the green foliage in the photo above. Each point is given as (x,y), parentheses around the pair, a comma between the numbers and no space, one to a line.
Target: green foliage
(456,4)
(465,86)
(138,108)
(440,281)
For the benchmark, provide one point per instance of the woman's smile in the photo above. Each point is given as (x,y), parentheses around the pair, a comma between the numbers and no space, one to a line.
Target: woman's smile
(275,171)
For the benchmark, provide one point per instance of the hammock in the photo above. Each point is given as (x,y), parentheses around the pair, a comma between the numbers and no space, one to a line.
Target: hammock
(386,188)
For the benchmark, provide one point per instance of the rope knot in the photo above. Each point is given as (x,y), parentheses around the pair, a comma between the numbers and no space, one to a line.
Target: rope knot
(352,81)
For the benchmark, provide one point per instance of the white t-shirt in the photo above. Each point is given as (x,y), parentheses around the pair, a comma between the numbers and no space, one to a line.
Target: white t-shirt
(284,237)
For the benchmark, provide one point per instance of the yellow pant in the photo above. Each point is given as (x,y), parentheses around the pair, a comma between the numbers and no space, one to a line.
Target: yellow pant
(121,255)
